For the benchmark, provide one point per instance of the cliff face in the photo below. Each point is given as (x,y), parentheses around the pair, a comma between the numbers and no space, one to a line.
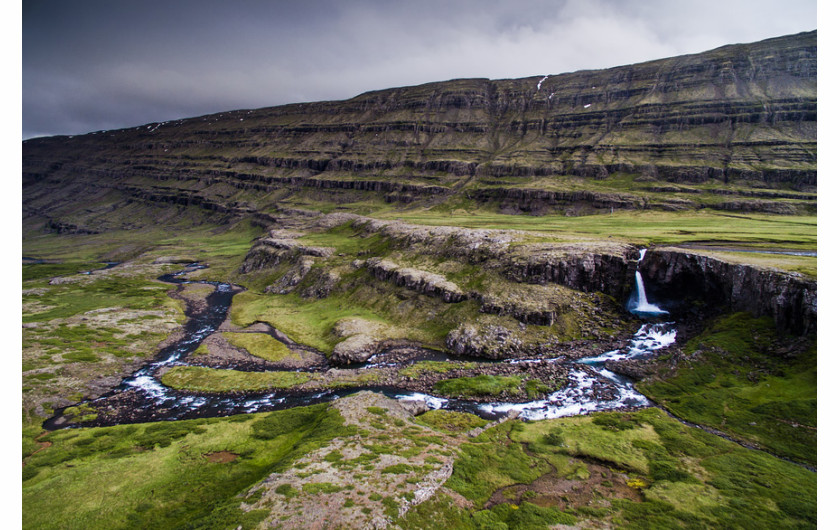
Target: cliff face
(789,299)
(581,270)
(735,119)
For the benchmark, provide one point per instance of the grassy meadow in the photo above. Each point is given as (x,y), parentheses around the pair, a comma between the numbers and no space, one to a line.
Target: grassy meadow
(640,470)
(736,381)
(624,470)
(161,475)
(644,228)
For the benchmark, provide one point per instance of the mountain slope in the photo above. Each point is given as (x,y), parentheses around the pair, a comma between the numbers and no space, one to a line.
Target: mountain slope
(733,129)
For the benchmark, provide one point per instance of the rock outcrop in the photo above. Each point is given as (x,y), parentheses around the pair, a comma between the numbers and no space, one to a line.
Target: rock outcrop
(417,280)
(603,269)
(359,341)
(537,201)
(322,283)
(292,278)
(270,252)
(490,342)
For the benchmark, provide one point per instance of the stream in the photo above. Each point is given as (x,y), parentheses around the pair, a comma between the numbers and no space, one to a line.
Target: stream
(142,397)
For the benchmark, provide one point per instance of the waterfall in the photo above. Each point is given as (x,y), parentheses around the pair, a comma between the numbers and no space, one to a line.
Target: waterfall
(642,306)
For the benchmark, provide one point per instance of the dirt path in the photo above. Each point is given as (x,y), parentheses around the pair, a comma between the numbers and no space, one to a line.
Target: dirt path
(43,445)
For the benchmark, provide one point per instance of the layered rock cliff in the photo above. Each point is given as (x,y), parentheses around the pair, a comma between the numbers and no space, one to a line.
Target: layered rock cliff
(670,134)
(790,299)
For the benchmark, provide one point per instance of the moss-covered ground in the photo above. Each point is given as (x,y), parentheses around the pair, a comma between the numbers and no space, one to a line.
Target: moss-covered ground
(260,345)
(623,470)
(159,475)
(201,379)
(396,311)
(81,332)
(741,378)
(627,470)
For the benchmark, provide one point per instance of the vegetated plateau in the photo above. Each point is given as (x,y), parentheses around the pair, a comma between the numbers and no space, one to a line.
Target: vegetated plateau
(414,308)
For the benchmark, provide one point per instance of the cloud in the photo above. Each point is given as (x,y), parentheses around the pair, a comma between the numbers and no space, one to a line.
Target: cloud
(91,64)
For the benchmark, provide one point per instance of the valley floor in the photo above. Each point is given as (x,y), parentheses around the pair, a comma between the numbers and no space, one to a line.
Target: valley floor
(321,300)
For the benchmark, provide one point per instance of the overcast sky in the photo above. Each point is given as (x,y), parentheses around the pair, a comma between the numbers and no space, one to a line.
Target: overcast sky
(91,65)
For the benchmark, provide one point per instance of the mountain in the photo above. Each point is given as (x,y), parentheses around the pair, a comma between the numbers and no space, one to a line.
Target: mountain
(730,129)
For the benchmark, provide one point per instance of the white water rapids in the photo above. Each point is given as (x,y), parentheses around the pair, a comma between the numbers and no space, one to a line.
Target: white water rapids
(578,396)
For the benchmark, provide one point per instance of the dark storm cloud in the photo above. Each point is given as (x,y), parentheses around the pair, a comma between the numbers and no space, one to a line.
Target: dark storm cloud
(90,65)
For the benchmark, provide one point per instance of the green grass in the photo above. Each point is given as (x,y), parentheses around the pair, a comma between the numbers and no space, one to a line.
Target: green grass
(347,240)
(222,247)
(687,477)
(405,314)
(643,227)
(694,478)
(71,299)
(155,475)
(80,413)
(493,461)
(260,345)
(89,328)
(735,383)
(433,367)
(576,437)
(84,343)
(480,385)
(307,322)
(201,379)
(438,512)
(450,420)
(38,271)
(805,265)
(525,516)
(368,377)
